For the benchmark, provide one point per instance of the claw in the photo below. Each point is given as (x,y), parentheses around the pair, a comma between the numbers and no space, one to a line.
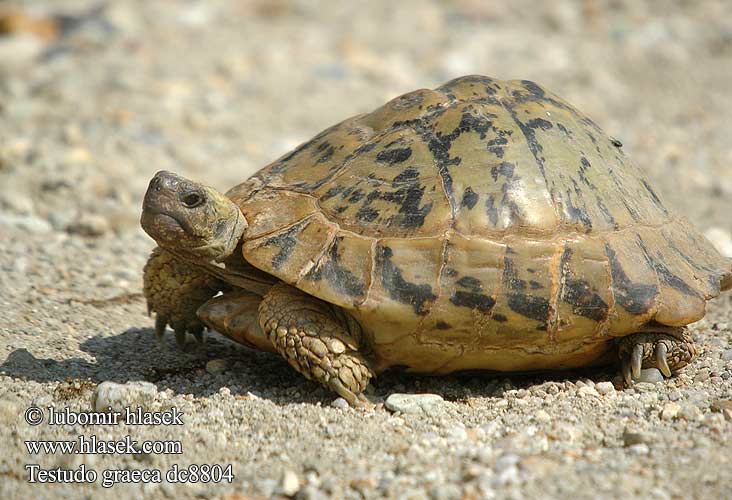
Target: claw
(636,359)
(160,323)
(198,334)
(661,359)
(625,367)
(180,338)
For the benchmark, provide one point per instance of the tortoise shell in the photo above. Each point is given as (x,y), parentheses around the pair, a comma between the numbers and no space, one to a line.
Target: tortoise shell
(485,224)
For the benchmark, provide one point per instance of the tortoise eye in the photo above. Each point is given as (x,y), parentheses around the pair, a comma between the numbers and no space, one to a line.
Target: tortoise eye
(192,200)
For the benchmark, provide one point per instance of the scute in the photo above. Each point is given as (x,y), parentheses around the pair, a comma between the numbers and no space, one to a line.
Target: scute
(481,216)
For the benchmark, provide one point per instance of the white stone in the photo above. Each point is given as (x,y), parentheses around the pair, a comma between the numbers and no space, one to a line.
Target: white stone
(670,411)
(425,404)
(121,396)
(605,388)
(290,483)
(588,391)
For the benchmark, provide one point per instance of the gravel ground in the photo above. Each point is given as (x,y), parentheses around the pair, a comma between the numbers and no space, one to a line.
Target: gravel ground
(95,96)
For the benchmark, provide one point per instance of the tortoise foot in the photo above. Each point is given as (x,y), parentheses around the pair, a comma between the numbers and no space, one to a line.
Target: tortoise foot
(669,350)
(174,291)
(316,341)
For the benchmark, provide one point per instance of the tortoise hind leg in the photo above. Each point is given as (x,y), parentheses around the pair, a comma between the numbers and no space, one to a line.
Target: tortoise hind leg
(668,349)
(317,341)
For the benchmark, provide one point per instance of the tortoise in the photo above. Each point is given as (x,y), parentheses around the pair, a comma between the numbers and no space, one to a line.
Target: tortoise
(483,225)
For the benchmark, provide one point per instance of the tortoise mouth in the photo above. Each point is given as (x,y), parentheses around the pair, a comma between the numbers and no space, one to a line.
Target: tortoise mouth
(166,226)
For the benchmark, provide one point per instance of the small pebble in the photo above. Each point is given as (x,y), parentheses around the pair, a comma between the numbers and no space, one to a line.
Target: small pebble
(637,437)
(290,483)
(650,375)
(216,366)
(121,396)
(605,388)
(690,412)
(639,449)
(588,391)
(340,403)
(89,225)
(426,404)
(721,405)
(542,416)
(670,411)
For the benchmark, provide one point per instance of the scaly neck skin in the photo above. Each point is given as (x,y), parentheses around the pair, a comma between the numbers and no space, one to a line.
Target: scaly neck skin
(233,270)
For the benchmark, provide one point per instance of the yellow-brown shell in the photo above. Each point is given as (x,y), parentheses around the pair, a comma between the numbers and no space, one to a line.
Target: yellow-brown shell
(484,224)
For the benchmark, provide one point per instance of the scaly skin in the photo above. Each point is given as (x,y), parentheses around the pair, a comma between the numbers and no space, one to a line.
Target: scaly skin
(669,350)
(316,342)
(174,291)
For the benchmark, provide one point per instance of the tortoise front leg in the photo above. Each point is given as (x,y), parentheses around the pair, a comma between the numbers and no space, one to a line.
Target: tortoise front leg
(174,291)
(669,349)
(316,341)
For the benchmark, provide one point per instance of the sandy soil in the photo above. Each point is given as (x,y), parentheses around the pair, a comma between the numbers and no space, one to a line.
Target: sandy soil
(95,96)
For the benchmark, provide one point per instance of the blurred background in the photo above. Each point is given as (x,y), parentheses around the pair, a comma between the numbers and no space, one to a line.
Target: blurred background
(95,96)
(98,95)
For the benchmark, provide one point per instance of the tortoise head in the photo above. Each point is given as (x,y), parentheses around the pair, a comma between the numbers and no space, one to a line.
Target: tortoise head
(191,218)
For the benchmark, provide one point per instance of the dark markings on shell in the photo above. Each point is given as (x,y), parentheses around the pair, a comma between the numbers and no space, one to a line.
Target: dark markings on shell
(579,293)
(367,214)
(472,297)
(539,123)
(331,193)
(406,101)
(536,149)
(393,156)
(496,145)
(339,277)
(325,150)
(616,142)
(471,283)
(564,130)
(399,289)
(606,213)
(408,196)
(488,84)
(491,209)
(636,298)
(654,197)
(535,285)
(439,145)
(664,274)
(625,196)
(534,89)
(584,167)
(530,306)
(537,94)
(470,198)
(504,169)
(356,196)
(499,317)
(441,325)
(713,275)
(286,241)
(471,300)
(577,213)
(282,164)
